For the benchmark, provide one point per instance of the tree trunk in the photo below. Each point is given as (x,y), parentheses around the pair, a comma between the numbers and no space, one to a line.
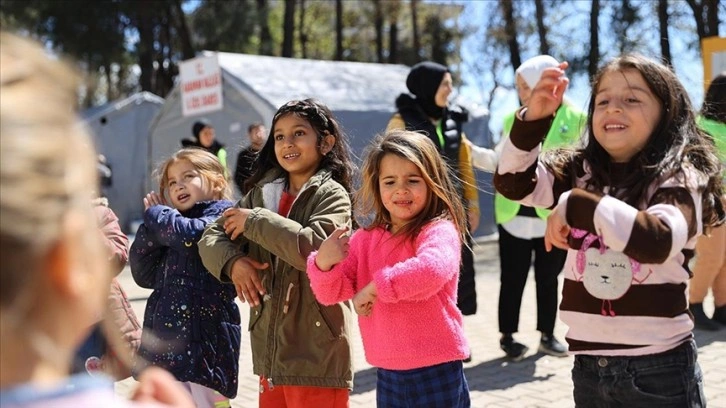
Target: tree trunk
(594,57)
(183,31)
(378,24)
(145,45)
(395,8)
(303,38)
(111,90)
(288,28)
(665,46)
(706,15)
(544,46)
(393,43)
(416,34)
(263,12)
(338,30)
(712,17)
(510,30)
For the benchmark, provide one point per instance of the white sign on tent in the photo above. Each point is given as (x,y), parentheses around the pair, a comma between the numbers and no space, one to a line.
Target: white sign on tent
(201,85)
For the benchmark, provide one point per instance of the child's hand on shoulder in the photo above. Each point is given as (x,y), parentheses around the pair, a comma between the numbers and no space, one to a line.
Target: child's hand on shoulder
(333,250)
(363,301)
(234,224)
(153,199)
(548,93)
(557,230)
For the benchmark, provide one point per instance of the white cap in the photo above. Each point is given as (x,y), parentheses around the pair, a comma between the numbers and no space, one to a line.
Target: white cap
(531,70)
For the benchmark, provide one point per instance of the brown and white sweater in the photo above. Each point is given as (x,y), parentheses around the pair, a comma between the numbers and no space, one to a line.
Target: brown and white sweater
(625,287)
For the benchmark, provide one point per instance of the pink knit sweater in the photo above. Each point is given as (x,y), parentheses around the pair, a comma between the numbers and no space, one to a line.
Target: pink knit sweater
(414,322)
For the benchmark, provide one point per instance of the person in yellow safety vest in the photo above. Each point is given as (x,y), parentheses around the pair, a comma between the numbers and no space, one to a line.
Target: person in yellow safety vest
(521,228)
(709,268)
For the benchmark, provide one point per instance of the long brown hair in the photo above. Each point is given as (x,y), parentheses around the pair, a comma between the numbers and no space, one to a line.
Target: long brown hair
(442,201)
(675,142)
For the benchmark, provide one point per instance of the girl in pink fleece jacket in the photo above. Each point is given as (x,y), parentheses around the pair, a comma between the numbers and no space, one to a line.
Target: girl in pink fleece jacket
(401,272)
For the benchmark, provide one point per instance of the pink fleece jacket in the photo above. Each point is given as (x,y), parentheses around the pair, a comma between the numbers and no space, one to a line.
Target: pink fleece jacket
(415,322)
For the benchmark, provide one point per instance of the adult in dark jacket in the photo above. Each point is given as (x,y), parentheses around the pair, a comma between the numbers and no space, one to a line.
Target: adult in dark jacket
(204,138)
(426,110)
(248,156)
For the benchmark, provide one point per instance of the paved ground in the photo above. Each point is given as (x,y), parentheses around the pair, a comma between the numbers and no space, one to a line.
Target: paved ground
(536,381)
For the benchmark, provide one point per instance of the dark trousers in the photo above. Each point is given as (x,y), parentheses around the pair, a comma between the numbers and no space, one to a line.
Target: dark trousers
(466,291)
(515,258)
(672,379)
(439,386)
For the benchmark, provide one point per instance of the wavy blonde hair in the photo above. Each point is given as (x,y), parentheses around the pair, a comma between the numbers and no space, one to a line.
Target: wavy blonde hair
(206,163)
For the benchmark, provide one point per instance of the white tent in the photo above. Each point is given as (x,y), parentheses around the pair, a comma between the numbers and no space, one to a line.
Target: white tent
(121,132)
(361,95)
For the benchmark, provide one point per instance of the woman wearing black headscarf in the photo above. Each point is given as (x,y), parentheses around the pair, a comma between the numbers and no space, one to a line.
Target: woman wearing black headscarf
(426,110)
(203,133)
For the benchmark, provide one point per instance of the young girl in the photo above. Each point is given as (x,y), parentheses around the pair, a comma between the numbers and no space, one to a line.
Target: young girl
(191,323)
(55,275)
(299,194)
(628,207)
(402,272)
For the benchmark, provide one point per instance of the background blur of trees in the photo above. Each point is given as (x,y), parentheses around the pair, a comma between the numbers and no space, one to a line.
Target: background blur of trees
(125,46)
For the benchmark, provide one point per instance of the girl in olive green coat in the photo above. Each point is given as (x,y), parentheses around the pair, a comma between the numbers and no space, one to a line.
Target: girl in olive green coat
(299,194)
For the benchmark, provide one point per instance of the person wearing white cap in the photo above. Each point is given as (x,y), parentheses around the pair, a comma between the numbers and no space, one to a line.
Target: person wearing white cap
(522,228)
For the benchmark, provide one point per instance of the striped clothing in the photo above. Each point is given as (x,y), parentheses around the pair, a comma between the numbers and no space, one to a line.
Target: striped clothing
(626,270)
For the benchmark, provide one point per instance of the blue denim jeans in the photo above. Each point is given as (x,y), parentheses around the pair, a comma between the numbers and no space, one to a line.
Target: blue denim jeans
(669,379)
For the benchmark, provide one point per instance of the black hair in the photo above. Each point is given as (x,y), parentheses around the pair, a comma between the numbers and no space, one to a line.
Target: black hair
(714,103)
(337,160)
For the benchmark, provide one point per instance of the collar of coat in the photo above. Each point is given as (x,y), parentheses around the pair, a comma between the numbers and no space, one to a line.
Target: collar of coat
(273,184)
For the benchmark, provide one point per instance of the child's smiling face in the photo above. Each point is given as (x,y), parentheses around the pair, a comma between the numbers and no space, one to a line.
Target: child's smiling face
(626,113)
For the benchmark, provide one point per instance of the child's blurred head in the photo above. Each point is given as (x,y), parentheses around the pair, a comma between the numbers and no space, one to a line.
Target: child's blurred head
(257,134)
(190,176)
(714,103)
(527,75)
(406,184)
(203,131)
(304,138)
(639,109)
(54,275)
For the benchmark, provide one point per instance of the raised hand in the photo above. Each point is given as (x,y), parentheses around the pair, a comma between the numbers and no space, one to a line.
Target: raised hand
(548,93)
(158,386)
(333,250)
(246,279)
(557,231)
(153,199)
(234,224)
(363,300)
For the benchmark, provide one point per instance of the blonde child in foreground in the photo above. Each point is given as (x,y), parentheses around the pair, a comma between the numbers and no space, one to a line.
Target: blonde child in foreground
(298,195)
(55,276)
(628,207)
(191,323)
(402,272)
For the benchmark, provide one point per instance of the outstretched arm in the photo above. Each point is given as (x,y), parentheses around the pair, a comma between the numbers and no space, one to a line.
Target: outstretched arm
(652,235)
(332,269)
(435,263)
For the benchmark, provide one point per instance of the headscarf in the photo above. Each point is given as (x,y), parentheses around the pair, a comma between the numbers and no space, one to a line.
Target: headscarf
(423,81)
(198,126)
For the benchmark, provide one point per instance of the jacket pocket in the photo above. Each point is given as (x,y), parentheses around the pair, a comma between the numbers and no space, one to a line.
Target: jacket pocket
(255,315)
(331,317)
